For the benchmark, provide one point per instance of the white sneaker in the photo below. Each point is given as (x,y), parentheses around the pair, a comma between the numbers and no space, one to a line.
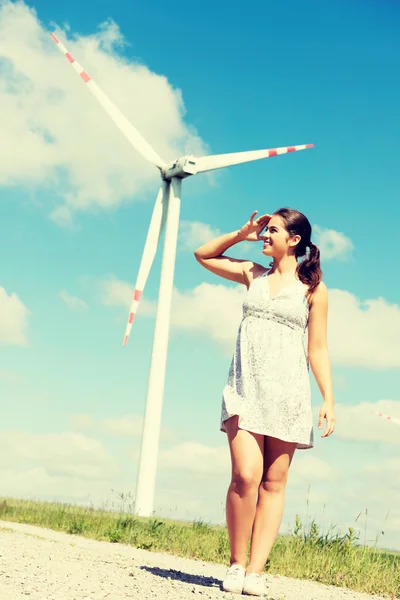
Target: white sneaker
(254,585)
(234,579)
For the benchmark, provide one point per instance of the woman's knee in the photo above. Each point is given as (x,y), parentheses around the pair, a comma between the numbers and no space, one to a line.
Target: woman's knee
(274,480)
(247,455)
(246,480)
(278,458)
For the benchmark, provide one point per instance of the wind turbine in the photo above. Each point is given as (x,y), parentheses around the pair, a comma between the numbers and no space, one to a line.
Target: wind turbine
(165,214)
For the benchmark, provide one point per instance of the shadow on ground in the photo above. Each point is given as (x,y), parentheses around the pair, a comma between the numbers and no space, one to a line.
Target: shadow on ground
(186,577)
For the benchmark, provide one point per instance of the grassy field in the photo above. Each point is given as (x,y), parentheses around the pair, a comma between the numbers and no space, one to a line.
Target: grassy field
(306,554)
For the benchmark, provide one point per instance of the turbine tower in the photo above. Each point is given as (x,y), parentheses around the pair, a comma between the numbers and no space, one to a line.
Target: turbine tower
(165,215)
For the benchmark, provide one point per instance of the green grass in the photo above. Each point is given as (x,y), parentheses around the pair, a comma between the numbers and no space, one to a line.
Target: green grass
(328,558)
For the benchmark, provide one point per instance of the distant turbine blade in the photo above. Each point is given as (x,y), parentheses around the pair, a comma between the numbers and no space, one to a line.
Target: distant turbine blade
(135,138)
(150,248)
(218,161)
(388,417)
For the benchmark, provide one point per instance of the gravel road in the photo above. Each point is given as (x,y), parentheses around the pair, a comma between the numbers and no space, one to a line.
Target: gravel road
(48,565)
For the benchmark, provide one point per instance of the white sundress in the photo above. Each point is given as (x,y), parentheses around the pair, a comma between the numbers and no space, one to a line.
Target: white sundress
(268,384)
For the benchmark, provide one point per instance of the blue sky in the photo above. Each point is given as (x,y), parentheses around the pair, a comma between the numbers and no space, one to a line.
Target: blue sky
(75,203)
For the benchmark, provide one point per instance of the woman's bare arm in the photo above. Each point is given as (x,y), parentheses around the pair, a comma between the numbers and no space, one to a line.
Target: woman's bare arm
(319,356)
(210,255)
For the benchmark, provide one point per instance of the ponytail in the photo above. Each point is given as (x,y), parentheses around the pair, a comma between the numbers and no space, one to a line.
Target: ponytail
(309,269)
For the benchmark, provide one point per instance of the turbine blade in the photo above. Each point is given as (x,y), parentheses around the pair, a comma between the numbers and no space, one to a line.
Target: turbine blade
(150,248)
(135,138)
(388,417)
(218,161)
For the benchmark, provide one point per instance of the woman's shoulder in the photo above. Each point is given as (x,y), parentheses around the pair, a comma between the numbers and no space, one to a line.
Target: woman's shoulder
(319,294)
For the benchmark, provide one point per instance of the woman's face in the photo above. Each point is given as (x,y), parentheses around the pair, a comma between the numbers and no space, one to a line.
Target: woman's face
(276,239)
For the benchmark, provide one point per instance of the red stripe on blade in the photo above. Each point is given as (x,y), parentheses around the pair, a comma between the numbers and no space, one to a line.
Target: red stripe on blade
(137,295)
(309,145)
(131,317)
(85,76)
(291,149)
(272,152)
(69,57)
(57,41)
(125,340)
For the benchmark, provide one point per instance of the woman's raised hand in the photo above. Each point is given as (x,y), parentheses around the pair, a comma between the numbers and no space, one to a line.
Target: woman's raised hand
(250,232)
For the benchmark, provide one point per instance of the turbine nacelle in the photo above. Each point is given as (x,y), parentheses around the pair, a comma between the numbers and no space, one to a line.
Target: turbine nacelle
(181,167)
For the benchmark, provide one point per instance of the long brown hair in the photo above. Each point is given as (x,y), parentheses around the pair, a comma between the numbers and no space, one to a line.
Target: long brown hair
(309,269)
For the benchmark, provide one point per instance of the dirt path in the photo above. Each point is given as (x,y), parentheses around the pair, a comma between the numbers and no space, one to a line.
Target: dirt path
(48,565)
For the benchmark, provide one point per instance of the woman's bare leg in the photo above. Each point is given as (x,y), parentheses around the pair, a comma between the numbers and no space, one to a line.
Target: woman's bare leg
(247,455)
(271,498)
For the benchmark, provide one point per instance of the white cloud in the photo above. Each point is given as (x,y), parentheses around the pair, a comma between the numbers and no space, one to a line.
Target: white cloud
(363,333)
(126,426)
(36,483)
(309,468)
(387,472)
(192,456)
(209,310)
(61,454)
(360,423)
(193,234)
(332,244)
(13,319)
(54,133)
(81,422)
(115,292)
(360,333)
(376,488)
(72,301)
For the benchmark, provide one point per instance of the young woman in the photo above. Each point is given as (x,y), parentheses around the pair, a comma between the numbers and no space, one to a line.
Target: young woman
(266,406)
